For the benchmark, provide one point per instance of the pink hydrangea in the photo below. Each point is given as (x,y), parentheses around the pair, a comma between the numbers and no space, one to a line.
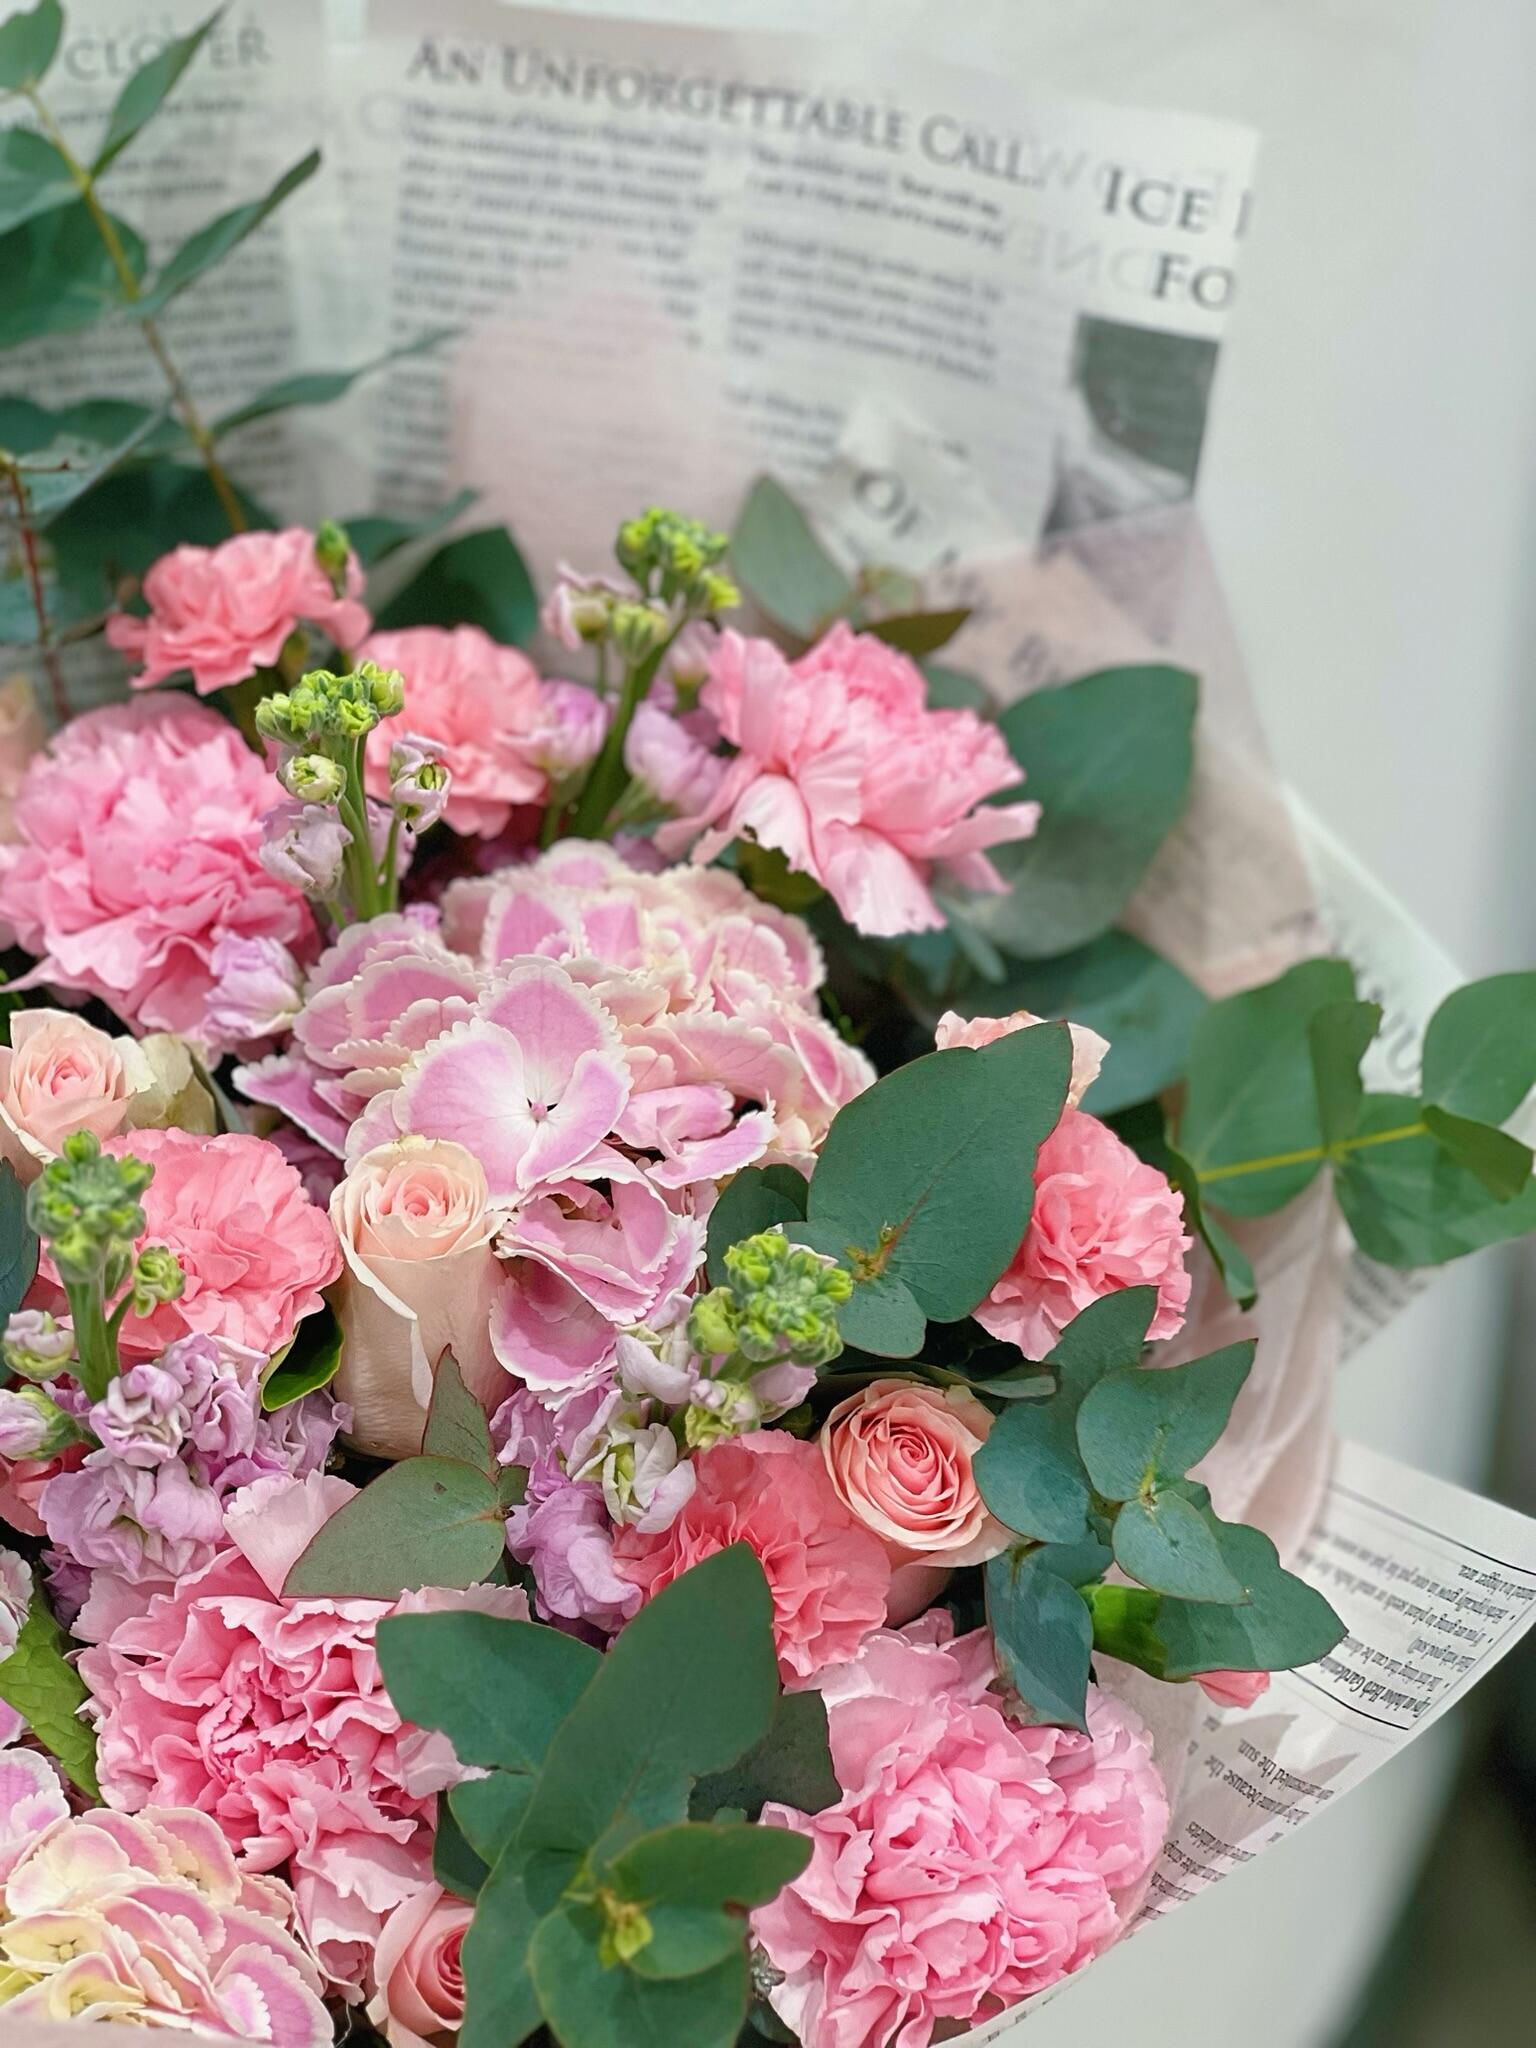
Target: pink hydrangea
(149,1922)
(221,613)
(137,840)
(270,1716)
(482,708)
(843,768)
(828,1575)
(254,1249)
(970,1861)
(1102,1220)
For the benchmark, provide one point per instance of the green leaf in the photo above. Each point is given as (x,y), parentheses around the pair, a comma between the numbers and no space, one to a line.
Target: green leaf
(792,1765)
(25,427)
(1283,1624)
(476,579)
(1108,758)
(1123,990)
(489,1810)
(375,538)
(497,1688)
(1043,1634)
(324,387)
(1107,1336)
(141,97)
(34,178)
(590,2007)
(58,275)
(881,1315)
(130,519)
(28,40)
(456,1865)
(1409,1203)
(1154,1422)
(423,1522)
(1251,1099)
(928,1173)
(211,244)
(1230,1260)
(918,634)
(782,566)
(1499,1161)
(687,1878)
(18,1243)
(1337,1036)
(951,689)
(687,1688)
(456,1426)
(1162,1541)
(65,470)
(501,2008)
(48,1693)
(1030,1473)
(1480,1049)
(754,1199)
(1125,1622)
(310,1362)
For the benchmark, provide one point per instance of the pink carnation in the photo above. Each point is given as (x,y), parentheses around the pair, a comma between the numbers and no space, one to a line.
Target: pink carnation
(255,1250)
(828,1575)
(138,833)
(221,613)
(149,1922)
(269,1715)
(480,705)
(970,1861)
(846,771)
(1102,1220)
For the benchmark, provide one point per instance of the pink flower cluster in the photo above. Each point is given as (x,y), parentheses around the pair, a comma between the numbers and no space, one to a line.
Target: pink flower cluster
(970,1862)
(842,767)
(135,855)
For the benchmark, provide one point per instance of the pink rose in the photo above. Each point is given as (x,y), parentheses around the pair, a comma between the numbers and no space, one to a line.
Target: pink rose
(420,1998)
(828,1576)
(255,1250)
(1233,1688)
(899,1455)
(224,612)
(845,770)
(269,1715)
(479,705)
(970,1861)
(1088,1048)
(58,1075)
(421,1277)
(137,841)
(1102,1220)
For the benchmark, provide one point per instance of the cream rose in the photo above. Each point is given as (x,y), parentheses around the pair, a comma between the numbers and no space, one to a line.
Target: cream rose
(420,1998)
(899,1455)
(415,1231)
(58,1075)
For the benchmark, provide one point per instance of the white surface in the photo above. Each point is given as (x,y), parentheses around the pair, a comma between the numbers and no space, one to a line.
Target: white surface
(1368,494)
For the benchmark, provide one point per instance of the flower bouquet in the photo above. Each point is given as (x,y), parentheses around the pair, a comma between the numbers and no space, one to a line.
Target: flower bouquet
(605,1434)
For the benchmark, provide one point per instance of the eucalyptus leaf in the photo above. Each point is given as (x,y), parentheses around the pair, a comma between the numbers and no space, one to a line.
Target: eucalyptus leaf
(1410,1203)
(496,1687)
(18,1243)
(1501,1162)
(456,1426)
(1031,1475)
(456,1864)
(1153,1422)
(141,98)
(501,2007)
(58,275)
(1107,1336)
(792,1765)
(324,387)
(1043,1634)
(1108,758)
(1282,1624)
(56,476)
(423,1522)
(29,40)
(47,1691)
(1480,1049)
(34,178)
(489,1810)
(375,538)
(695,1882)
(590,2007)
(918,634)
(782,566)
(951,689)
(476,579)
(212,243)
(881,1316)
(1162,1541)
(928,1174)
(1338,1036)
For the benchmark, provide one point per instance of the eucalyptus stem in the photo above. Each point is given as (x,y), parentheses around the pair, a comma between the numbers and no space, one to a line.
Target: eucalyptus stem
(1306,1155)
(47,649)
(128,283)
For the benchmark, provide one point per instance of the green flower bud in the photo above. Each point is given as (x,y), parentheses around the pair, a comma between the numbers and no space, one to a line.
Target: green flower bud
(626,1930)
(712,1323)
(85,1205)
(332,549)
(157,1278)
(313,778)
(663,548)
(718,594)
(385,688)
(34,1347)
(779,1303)
(638,630)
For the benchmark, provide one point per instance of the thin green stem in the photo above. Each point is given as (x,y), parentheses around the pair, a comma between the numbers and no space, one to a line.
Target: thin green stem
(606,782)
(1307,1155)
(128,284)
(95,1342)
(47,650)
